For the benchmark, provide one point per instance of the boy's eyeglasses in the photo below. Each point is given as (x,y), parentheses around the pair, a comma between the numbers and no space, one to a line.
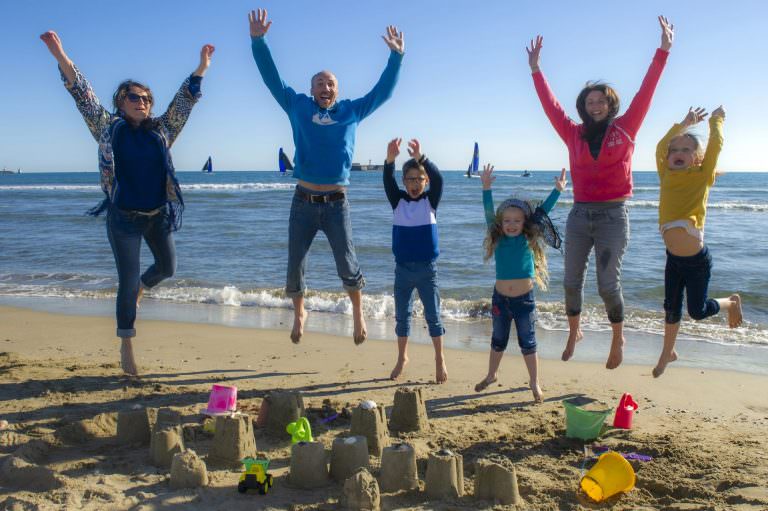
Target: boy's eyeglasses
(415,179)
(135,98)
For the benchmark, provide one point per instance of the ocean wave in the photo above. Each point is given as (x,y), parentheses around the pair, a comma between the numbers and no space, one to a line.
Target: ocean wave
(382,307)
(738,206)
(57,188)
(654,204)
(186,187)
(238,187)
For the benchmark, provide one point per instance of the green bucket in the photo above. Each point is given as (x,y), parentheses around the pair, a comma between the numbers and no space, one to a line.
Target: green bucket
(583,424)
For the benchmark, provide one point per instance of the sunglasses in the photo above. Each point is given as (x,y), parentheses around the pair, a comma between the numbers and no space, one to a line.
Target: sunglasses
(135,98)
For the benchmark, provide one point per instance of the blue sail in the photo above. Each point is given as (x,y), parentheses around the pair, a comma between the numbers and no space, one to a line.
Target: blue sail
(208,167)
(283,161)
(474,166)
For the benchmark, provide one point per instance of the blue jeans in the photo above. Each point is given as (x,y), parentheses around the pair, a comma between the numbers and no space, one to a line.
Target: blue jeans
(125,230)
(422,276)
(521,309)
(333,219)
(689,274)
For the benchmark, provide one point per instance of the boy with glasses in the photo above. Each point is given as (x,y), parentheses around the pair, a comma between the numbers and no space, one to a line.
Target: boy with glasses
(415,245)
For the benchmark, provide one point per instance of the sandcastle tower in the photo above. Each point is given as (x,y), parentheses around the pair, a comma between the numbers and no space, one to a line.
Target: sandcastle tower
(398,468)
(188,470)
(232,441)
(309,465)
(496,482)
(361,492)
(348,455)
(371,423)
(135,426)
(167,438)
(282,409)
(408,412)
(445,475)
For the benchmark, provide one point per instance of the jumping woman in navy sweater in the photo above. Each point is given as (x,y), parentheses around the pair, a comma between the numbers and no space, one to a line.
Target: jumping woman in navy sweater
(143,199)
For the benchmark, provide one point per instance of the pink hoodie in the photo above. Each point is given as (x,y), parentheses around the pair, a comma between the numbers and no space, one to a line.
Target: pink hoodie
(610,176)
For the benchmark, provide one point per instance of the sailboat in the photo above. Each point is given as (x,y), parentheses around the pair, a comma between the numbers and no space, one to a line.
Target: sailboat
(525,173)
(283,162)
(208,167)
(474,166)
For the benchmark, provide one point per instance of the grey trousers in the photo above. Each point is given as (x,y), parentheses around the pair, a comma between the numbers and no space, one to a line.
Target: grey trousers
(604,226)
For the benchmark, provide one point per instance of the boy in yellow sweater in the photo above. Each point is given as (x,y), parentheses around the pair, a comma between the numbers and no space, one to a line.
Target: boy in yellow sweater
(686,173)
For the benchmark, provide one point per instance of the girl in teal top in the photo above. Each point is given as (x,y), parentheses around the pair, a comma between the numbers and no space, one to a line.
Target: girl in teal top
(518,233)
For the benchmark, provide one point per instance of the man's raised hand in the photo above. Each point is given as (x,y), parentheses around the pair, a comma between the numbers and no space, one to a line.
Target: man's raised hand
(258,23)
(394,39)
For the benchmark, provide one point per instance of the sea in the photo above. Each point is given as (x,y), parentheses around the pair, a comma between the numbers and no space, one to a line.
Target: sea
(232,253)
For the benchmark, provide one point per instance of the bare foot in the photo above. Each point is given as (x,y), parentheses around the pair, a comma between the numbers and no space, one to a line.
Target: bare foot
(616,356)
(734,312)
(138,297)
(662,363)
(359,334)
(441,373)
(127,361)
(537,395)
(398,370)
(570,346)
(484,384)
(298,325)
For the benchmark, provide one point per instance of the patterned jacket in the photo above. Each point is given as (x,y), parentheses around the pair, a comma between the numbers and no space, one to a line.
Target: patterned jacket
(103,125)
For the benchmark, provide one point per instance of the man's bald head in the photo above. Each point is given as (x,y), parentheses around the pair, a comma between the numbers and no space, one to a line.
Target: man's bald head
(325,89)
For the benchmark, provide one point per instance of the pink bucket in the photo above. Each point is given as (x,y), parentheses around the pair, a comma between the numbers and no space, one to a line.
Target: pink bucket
(223,400)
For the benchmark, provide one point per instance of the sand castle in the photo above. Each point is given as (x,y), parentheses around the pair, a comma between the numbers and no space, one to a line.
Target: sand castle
(233,440)
(371,423)
(348,455)
(409,412)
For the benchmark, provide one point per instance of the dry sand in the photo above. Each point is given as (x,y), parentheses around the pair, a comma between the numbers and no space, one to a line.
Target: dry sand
(61,388)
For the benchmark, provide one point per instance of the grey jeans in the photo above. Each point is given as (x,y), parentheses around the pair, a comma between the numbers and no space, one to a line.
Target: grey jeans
(604,226)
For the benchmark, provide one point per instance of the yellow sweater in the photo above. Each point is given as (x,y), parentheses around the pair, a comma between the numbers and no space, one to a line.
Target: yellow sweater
(683,193)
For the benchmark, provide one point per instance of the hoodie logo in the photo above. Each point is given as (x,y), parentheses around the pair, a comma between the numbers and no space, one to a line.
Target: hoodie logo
(323,118)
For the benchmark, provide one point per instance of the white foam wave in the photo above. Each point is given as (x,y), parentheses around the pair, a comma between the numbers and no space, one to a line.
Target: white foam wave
(57,188)
(382,307)
(738,206)
(238,187)
(248,187)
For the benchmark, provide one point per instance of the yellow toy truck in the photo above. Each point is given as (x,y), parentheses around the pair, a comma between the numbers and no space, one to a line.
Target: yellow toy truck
(255,476)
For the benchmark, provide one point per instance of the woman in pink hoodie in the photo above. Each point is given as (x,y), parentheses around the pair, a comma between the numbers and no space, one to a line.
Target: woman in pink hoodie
(600,153)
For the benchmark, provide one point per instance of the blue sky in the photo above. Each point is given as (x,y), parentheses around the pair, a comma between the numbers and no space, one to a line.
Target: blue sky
(465,76)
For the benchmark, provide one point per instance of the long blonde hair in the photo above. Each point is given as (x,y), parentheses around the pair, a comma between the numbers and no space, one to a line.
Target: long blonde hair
(535,240)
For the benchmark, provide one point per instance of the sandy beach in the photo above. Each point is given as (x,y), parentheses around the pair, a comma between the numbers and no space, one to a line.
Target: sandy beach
(61,390)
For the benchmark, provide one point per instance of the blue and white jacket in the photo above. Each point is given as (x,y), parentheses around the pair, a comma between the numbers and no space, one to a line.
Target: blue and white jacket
(414,222)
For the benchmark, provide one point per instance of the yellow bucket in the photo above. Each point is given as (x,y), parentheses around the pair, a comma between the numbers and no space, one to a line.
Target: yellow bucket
(611,474)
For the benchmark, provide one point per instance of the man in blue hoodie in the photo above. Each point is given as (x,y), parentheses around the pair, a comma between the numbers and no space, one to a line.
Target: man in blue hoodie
(324,136)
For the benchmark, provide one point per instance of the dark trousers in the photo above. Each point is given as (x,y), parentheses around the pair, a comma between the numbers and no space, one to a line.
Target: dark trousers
(690,274)
(125,230)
